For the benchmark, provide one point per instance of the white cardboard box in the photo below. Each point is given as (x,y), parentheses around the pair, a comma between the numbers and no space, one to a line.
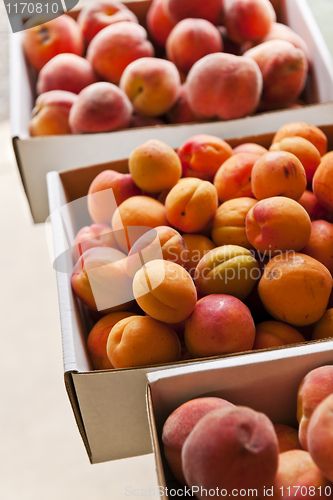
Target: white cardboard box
(38,155)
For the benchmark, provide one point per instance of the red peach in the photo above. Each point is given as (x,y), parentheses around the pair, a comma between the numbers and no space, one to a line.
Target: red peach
(182,9)
(313,208)
(51,113)
(181,112)
(280,31)
(287,437)
(159,24)
(320,437)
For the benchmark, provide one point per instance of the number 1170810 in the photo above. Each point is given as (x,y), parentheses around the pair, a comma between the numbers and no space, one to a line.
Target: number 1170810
(305,491)
(32,8)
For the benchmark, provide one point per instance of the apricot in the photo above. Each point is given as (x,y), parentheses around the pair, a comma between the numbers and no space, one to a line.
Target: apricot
(322,183)
(224,86)
(229,269)
(277,224)
(95,235)
(320,437)
(313,208)
(141,341)
(275,333)
(229,222)
(230,448)
(202,155)
(320,244)
(98,337)
(287,438)
(154,166)
(324,327)
(165,291)
(191,204)
(295,288)
(50,115)
(250,147)
(178,426)
(158,22)
(219,324)
(197,246)
(182,9)
(233,179)
(302,129)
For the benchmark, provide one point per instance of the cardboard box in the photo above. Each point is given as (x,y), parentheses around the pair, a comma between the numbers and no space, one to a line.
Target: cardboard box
(39,155)
(265,381)
(109,406)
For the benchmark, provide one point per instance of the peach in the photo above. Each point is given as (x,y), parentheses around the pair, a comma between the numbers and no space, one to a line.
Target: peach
(191,204)
(248,19)
(115,47)
(41,42)
(197,246)
(178,426)
(250,147)
(322,183)
(66,72)
(181,9)
(139,121)
(152,85)
(287,438)
(229,45)
(219,324)
(134,216)
(224,86)
(96,235)
(165,291)
(100,107)
(233,179)
(313,208)
(278,173)
(277,224)
(101,203)
(320,437)
(50,114)
(231,448)
(274,333)
(95,16)
(229,269)
(280,31)
(190,40)
(202,155)
(98,336)
(324,327)
(320,244)
(229,222)
(100,281)
(295,288)
(305,151)
(154,166)
(284,69)
(302,129)
(181,111)
(159,24)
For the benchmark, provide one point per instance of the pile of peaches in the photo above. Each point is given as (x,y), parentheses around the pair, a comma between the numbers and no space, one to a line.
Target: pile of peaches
(218,449)
(211,59)
(208,250)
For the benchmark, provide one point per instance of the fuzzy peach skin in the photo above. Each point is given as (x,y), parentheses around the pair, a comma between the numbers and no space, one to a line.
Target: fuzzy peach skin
(136,212)
(230,448)
(178,426)
(165,291)
(248,19)
(219,324)
(152,85)
(324,327)
(197,246)
(190,40)
(313,208)
(50,114)
(115,47)
(284,69)
(305,130)
(101,205)
(181,111)
(233,179)
(320,244)
(224,86)
(274,334)
(154,166)
(202,155)
(100,281)
(66,72)
(322,183)
(100,107)
(281,31)
(305,151)
(181,9)
(159,24)
(95,235)
(287,438)
(98,336)
(229,222)
(295,288)
(191,204)
(320,437)
(277,224)
(98,15)
(229,269)
(250,147)
(44,41)
(278,173)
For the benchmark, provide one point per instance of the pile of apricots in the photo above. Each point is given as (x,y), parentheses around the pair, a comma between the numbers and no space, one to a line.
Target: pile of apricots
(189,61)
(212,445)
(208,250)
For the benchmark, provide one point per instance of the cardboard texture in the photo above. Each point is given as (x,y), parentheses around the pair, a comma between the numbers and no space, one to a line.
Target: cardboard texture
(39,155)
(109,406)
(265,381)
